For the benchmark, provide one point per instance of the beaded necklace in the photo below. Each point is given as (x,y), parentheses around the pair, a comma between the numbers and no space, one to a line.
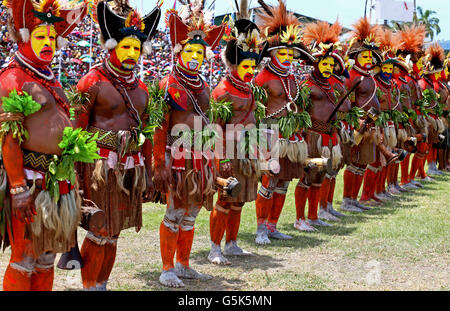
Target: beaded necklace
(324,87)
(16,63)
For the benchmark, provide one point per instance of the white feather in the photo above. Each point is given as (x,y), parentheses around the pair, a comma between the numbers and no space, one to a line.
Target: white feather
(61,42)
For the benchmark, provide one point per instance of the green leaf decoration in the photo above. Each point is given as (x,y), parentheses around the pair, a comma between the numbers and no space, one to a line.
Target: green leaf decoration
(155,111)
(293,123)
(78,101)
(353,116)
(260,111)
(77,146)
(304,99)
(18,104)
(220,111)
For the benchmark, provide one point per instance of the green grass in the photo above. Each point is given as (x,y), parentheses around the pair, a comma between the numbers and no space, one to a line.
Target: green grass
(408,238)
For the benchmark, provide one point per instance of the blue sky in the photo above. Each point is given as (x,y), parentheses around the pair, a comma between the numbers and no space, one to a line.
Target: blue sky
(347,11)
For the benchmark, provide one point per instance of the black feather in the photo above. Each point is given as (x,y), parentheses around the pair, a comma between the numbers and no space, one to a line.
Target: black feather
(265,7)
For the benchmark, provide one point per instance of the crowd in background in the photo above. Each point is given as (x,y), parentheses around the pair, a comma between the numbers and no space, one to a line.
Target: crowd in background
(76,59)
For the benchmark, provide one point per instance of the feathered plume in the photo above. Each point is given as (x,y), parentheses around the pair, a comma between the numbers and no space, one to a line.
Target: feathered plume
(364,31)
(322,32)
(121,7)
(276,18)
(435,56)
(411,41)
(242,10)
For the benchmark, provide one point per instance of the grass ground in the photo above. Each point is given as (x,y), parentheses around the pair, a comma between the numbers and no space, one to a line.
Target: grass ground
(403,245)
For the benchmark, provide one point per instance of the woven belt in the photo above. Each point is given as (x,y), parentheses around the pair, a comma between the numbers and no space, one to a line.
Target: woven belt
(110,139)
(320,126)
(36,161)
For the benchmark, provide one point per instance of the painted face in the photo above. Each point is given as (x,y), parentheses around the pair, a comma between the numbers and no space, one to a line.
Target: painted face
(192,56)
(284,58)
(43,42)
(365,59)
(128,52)
(438,75)
(446,72)
(246,70)
(386,71)
(326,67)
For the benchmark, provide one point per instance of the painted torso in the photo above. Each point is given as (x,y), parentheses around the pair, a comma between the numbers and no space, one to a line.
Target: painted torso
(243,103)
(365,93)
(108,107)
(46,126)
(339,85)
(183,100)
(277,97)
(323,99)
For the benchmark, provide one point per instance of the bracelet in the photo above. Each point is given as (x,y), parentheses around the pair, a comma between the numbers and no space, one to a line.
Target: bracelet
(18,190)
(225,161)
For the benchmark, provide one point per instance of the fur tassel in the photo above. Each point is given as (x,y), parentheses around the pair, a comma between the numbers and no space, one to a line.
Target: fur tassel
(110,44)
(440,126)
(302,152)
(177,49)
(336,156)
(432,121)
(61,42)
(24,34)
(209,53)
(402,135)
(147,48)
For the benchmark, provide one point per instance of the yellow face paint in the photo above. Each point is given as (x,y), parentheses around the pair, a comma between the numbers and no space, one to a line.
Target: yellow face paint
(284,58)
(43,42)
(246,70)
(365,59)
(446,72)
(128,52)
(192,56)
(326,67)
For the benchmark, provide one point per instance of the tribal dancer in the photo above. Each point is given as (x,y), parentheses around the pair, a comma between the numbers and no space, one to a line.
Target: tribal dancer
(443,152)
(241,56)
(363,51)
(284,90)
(184,173)
(431,81)
(116,109)
(322,138)
(44,212)
(411,40)
(405,131)
(374,188)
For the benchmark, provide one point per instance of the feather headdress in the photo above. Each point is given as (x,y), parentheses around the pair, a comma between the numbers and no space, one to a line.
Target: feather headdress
(364,37)
(243,41)
(282,29)
(323,39)
(193,24)
(122,21)
(26,15)
(410,43)
(435,57)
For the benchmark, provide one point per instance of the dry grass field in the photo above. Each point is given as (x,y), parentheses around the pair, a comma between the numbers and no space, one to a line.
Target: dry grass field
(403,245)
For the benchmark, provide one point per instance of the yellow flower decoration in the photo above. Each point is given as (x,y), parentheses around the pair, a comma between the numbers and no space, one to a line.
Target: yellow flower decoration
(291,35)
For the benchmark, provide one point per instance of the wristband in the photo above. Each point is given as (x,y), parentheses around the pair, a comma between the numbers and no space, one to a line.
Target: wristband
(225,161)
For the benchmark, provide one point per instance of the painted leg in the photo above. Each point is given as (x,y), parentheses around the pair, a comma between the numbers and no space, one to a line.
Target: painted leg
(313,206)
(16,279)
(93,255)
(184,246)
(301,195)
(323,201)
(234,221)
(279,197)
(217,223)
(108,264)
(264,203)
(42,279)
(330,208)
